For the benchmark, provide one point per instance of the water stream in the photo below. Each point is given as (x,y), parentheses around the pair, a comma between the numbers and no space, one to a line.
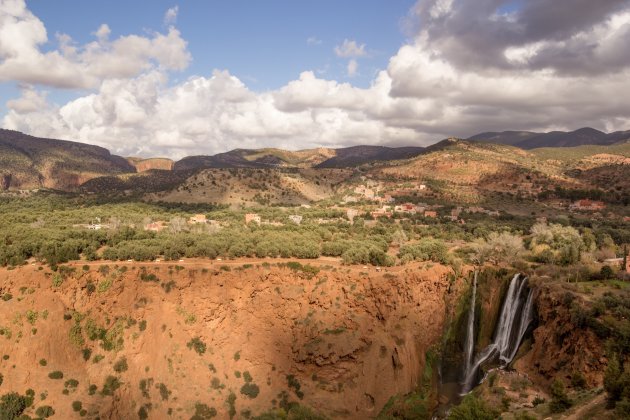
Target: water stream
(469,346)
(516,315)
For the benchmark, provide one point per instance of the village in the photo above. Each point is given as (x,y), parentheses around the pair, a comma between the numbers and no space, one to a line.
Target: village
(370,201)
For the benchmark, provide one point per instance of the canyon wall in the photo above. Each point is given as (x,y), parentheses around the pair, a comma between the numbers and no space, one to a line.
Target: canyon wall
(238,339)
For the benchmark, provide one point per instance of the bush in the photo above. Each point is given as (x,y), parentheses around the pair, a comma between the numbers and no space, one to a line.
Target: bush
(45,411)
(308,269)
(578,380)
(111,384)
(121,365)
(426,249)
(77,405)
(57,280)
(203,412)
(231,400)
(55,374)
(409,407)
(71,383)
(197,344)
(472,407)
(76,335)
(251,390)
(164,392)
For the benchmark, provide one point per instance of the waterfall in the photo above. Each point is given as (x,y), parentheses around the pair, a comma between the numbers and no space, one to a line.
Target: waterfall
(516,315)
(470,333)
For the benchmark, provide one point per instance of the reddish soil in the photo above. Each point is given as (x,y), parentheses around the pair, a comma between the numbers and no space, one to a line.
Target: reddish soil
(342,341)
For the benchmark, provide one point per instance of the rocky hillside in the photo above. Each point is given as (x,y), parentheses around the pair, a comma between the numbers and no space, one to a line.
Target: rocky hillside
(28,162)
(204,338)
(468,171)
(246,186)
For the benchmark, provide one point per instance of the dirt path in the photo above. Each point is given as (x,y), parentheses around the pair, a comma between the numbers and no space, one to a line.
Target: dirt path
(586,411)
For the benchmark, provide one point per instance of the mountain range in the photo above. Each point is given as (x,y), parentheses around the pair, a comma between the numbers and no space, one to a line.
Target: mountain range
(28,162)
(532,140)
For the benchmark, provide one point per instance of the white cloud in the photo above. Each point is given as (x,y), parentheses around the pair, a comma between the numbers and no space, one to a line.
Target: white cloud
(102,34)
(71,66)
(350,49)
(312,40)
(170,17)
(352,68)
(423,95)
(441,8)
(30,101)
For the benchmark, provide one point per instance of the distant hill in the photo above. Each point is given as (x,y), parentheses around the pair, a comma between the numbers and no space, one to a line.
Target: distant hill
(532,140)
(358,155)
(28,162)
(505,137)
(256,158)
(317,158)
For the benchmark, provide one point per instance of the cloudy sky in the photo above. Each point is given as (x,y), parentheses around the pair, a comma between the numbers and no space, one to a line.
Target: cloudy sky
(172,79)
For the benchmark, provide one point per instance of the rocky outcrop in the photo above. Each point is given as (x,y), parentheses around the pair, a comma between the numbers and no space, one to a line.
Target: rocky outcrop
(143,165)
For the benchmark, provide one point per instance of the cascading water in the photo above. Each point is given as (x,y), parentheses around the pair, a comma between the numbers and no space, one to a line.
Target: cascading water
(516,315)
(470,334)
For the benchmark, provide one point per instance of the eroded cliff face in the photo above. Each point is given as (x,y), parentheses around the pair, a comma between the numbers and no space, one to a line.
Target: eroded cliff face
(342,341)
(559,347)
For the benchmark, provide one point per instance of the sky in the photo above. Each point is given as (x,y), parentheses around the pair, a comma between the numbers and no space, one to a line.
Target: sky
(168,78)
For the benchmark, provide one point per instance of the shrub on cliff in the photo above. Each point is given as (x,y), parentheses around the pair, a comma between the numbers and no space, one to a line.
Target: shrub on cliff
(197,345)
(203,412)
(251,390)
(45,411)
(472,408)
(293,411)
(12,405)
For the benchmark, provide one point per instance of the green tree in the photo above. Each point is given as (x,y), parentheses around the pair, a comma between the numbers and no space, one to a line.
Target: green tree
(560,401)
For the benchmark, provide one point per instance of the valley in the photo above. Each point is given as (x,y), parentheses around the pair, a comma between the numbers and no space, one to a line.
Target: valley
(356,283)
